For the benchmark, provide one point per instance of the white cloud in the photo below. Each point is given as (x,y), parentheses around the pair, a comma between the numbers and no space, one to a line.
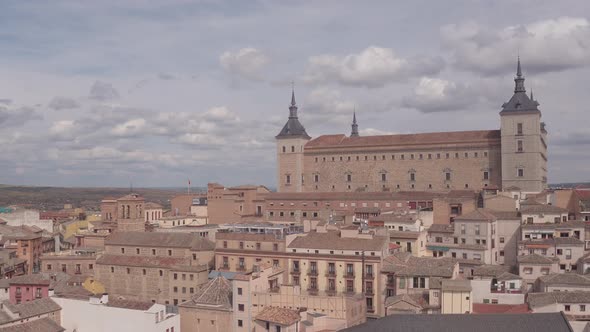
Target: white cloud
(245,63)
(544,46)
(373,67)
(130,128)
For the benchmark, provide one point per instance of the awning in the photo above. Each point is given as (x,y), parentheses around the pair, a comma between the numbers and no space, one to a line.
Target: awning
(437,248)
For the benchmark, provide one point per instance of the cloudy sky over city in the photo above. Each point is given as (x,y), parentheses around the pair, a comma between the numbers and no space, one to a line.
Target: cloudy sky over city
(105,93)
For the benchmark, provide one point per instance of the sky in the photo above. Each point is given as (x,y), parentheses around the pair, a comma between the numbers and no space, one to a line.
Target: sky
(108,93)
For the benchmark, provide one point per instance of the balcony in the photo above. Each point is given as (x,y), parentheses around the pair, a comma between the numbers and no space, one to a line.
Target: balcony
(240,268)
(296,271)
(349,275)
(312,272)
(312,290)
(331,274)
(274,289)
(369,274)
(369,291)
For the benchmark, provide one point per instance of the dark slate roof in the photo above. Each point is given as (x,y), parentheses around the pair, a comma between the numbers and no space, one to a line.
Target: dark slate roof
(38,325)
(293,128)
(520,102)
(545,322)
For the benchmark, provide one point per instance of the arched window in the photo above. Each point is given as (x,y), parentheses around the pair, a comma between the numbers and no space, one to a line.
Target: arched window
(292,148)
(284,149)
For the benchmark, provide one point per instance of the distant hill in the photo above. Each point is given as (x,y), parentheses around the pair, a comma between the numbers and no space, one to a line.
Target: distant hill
(54,198)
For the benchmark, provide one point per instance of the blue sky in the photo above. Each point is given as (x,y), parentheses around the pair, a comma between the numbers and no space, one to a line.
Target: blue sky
(103,93)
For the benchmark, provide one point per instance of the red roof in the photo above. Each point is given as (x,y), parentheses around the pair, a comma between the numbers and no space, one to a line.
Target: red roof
(481,308)
(394,246)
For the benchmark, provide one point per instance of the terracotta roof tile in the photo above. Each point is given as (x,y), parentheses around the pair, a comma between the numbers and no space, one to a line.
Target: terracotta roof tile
(440,138)
(38,325)
(141,261)
(332,240)
(281,316)
(480,308)
(215,294)
(160,239)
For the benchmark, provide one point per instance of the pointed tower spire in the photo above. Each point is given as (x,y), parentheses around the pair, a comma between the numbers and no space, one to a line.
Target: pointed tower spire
(355,126)
(293,106)
(519,79)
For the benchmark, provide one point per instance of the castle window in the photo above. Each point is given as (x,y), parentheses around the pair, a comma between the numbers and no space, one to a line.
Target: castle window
(438,156)
(466,186)
(429,186)
(324,159)
(412,186)
(403,157)
(456,154)
(466,155)
(284,149)
(374,157)
(292,148)
(357,158)
(420,156)
(383,157)
(348,177)
(519,146)
(288,179)
(340,158)
(397,186)
(519,129)
(392,157)
(316,178)
(412,156)
(486,175)
(475,154)
(383,177)
(366,158)
(429,156)
(316,159)
(485,154)
(348,187)
(412,176)
(448,176)
(333,159)
(520,172)
(348,158)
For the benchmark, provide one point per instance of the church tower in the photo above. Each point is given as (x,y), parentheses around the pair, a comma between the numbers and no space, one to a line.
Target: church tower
(524,141)
(290,143)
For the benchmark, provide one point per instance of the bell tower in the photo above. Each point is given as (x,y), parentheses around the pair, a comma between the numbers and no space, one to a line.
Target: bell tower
(290,143)
(524,141)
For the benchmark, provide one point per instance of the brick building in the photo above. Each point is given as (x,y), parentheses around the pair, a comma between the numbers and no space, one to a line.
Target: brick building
(515,155)
(126,212)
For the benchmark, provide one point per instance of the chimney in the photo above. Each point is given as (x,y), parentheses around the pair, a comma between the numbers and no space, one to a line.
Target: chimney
(105,298)
(51,292)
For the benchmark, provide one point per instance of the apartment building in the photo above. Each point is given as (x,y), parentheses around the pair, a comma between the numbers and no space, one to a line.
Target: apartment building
(413,284)
(496,284)
(534,212)
(533,266)
(27,241)
(567,249)
(36,315)
(10,264)
(482,235)
(235,204)
(161,267)
(563,282)
(574,305)
(240,252)
(339,261)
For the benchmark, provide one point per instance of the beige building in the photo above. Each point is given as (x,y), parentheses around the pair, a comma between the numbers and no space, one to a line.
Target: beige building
(234,204)
(413,284)
(515,155)
(339,261)
(456,297)
(533,266)
(153,211)
(483,235)
(73,262)
(209,309)
(162,267)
